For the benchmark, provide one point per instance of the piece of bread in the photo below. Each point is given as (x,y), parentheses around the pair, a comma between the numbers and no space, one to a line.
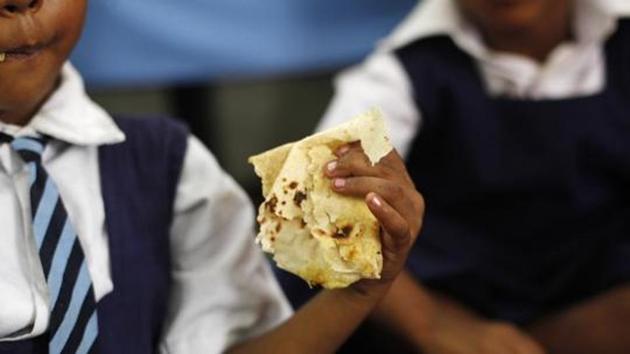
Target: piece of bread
(325,238)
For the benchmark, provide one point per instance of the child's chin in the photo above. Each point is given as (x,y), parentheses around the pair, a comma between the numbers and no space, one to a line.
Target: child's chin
(24,87)
(506,15)
(514,21)
(527,12)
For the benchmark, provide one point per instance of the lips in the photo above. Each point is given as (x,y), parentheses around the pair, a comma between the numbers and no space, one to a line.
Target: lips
(21,52)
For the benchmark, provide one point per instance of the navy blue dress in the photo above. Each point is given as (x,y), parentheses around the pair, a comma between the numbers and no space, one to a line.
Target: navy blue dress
(528,201)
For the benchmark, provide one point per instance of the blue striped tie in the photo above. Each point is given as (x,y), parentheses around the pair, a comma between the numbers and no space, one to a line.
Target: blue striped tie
(73,326)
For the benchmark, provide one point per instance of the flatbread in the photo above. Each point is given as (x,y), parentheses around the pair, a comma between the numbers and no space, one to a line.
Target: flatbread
(325,238)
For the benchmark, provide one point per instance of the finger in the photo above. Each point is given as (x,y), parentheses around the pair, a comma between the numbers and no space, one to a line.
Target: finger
(343,149)
(396,237)
(399,197)
(352,163)
(390,159)
(394,161)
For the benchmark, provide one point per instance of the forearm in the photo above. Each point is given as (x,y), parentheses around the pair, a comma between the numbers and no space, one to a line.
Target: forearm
(600,325)
(320,326)
(426,318)
(407,309)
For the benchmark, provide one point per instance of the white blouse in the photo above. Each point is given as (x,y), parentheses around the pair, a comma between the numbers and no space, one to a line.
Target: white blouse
(222,291)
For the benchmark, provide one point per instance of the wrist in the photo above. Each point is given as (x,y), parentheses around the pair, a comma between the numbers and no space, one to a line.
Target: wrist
(365,293)
(369,289)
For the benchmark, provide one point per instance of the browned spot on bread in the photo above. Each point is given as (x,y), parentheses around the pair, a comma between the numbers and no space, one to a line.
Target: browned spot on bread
(352,255)
(293,185)
(319,232)
(343,232)
(298,198)
(302,223)
(271,204)
(278,227)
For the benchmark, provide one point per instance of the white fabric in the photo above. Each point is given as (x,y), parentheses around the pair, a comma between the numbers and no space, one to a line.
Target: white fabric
(223,289)
(573,69)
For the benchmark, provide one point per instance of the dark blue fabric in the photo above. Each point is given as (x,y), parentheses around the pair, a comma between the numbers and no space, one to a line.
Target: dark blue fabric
(528,205)
(138,179)
(37,345)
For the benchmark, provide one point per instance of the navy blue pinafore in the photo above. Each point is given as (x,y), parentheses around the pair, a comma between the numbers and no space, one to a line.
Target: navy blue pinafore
(528,201)
(139,179)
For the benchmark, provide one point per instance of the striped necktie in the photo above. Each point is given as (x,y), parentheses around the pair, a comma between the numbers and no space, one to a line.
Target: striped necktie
(73,325)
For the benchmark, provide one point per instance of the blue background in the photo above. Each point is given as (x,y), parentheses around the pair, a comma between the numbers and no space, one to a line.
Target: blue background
(135,43)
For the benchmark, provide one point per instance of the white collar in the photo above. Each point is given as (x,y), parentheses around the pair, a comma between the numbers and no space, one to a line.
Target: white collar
(594,20)
(71,116)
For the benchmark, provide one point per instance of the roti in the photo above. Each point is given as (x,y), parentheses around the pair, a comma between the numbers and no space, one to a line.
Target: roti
(323,237)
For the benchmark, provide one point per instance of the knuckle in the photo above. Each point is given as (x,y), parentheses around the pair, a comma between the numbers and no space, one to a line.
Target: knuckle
(397,190)
(352,162)
(357,165)
(350,184)
(356,152)
(356,185)
(393,190)
(343,162)
(402,235)
(386,172)
(338,170)
(391,157)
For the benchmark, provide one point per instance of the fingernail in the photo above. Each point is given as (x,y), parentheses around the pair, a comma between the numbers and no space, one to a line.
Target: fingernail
(342,150)
(376,201)
(339,182)
(331,166)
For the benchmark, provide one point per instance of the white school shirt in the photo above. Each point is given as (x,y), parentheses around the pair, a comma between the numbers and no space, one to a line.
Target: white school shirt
(222,291)
(573,69)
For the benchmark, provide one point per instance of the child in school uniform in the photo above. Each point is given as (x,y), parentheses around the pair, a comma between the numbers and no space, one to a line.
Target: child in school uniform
(123,235)
(514,120)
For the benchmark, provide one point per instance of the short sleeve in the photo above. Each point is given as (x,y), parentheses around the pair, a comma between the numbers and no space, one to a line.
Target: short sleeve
(379,82)
(223,290)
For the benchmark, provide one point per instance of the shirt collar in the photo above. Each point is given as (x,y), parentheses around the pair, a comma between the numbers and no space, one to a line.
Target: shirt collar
(71,116)
(594,20)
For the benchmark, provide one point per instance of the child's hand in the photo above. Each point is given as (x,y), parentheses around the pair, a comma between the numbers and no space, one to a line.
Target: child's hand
(391,196)
(326,321)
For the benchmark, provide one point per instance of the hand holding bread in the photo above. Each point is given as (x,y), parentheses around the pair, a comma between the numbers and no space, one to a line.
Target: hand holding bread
(390,195)
(327,199)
